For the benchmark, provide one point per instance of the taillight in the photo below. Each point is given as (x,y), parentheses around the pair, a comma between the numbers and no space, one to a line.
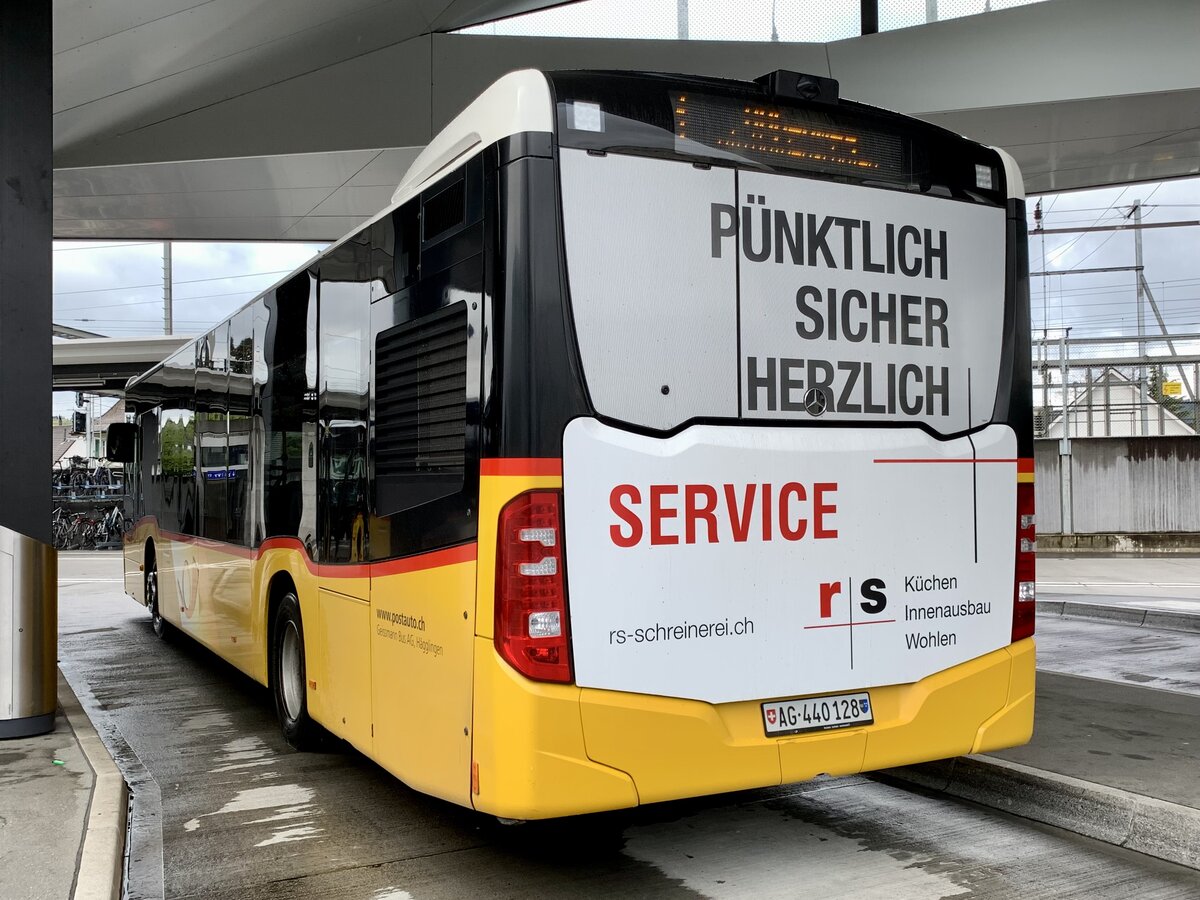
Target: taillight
(531,594)
(1025,586)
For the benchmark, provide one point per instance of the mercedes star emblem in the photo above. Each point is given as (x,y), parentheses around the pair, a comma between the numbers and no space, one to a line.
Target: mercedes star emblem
(815,401)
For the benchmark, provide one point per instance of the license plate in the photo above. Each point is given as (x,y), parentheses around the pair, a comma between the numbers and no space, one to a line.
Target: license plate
(817,713)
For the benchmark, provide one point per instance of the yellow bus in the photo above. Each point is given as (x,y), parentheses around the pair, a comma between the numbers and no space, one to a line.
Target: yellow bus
(663,436)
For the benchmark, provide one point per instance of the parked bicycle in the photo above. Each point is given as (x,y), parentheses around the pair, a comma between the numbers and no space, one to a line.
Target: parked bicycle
(87,530)
(77,478)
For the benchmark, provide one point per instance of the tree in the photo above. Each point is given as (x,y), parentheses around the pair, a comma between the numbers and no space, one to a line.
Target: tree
(178,444)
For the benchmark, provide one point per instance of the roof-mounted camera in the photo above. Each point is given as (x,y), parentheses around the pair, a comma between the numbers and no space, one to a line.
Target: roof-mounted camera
(799,86)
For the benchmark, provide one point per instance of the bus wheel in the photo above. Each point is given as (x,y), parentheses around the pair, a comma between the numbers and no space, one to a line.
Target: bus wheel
(288,676)
(156,619)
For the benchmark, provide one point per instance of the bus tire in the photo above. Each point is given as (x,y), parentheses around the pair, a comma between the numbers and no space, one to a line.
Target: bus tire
(157,622)
(289,674)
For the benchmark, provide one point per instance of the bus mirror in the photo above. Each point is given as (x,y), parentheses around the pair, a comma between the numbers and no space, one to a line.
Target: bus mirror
(121,439)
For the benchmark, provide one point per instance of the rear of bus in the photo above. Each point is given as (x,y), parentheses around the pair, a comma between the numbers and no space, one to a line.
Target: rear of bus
(760,501)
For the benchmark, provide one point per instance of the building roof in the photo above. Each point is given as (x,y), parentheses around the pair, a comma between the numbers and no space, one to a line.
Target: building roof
(115,413)
(60,442)
(1112,405)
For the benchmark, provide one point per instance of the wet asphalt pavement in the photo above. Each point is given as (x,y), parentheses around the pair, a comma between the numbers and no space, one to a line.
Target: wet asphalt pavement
(225,809)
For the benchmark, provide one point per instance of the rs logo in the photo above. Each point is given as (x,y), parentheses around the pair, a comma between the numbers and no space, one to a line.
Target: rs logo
(874,600)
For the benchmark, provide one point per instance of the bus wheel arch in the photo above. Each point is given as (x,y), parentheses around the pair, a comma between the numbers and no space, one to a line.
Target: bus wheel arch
(287,669)
(150,590)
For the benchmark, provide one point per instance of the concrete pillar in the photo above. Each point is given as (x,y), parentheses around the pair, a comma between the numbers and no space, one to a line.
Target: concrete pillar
(28,590)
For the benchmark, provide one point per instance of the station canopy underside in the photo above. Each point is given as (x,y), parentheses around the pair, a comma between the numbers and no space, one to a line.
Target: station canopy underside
(102,365)
(224,120)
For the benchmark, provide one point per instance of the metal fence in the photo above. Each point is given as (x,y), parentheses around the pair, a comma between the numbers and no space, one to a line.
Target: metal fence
(1116,386)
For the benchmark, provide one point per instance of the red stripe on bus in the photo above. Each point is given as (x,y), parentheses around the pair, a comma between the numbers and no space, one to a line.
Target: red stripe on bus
(850,624)
(209,544)
(1017,461)
(434,559)
(521,466)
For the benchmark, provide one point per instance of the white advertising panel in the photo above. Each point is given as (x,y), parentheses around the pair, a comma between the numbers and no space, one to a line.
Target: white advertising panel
(748,562)
(714,293)
(865,304)
(655,313)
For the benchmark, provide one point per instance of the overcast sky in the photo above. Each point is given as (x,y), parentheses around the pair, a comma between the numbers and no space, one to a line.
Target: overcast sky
(116,288)
(1105,303)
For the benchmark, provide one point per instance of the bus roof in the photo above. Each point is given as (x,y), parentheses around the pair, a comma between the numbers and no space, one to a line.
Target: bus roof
(518,102)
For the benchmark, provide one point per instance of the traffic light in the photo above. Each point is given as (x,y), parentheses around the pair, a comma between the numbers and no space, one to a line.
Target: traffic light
(80,423)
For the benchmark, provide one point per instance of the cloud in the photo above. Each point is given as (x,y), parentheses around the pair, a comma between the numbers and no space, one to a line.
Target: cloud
(115,289)
(1106,302)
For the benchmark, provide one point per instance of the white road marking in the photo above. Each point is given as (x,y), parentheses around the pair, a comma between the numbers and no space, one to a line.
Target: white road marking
(266,798)
(299,833)
(288,801)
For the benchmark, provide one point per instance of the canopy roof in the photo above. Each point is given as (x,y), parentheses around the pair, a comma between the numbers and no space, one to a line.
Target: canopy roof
(234,120)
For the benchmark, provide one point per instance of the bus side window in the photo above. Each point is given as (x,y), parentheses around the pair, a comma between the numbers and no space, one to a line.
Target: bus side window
(212,425)
(241,392)
(177,442)
(150,472)
(395,249)
(286,401)
(177,463)
(346,276)
(426,371)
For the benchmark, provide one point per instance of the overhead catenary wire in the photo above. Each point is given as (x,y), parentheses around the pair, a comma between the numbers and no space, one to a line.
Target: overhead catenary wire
(158,301)
(1114,321)
(1064,248)
(1082,299)
(158,284)
(1174,317)
(107,246)
(1058,252)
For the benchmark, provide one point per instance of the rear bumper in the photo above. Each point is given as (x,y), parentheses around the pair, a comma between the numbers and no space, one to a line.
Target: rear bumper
(554,750)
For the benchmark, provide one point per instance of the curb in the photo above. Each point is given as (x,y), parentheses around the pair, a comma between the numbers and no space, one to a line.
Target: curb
(1153,543)
(100,869)
(1168,831)
(1121,615)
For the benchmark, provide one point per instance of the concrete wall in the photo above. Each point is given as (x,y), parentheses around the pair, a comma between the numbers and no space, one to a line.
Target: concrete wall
(1130,485)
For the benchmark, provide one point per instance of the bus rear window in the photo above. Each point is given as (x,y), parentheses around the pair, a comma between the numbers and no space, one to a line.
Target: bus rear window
(739,125)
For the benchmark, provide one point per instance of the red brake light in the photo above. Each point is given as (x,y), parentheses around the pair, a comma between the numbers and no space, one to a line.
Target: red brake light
(532,629)
(1025,581)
